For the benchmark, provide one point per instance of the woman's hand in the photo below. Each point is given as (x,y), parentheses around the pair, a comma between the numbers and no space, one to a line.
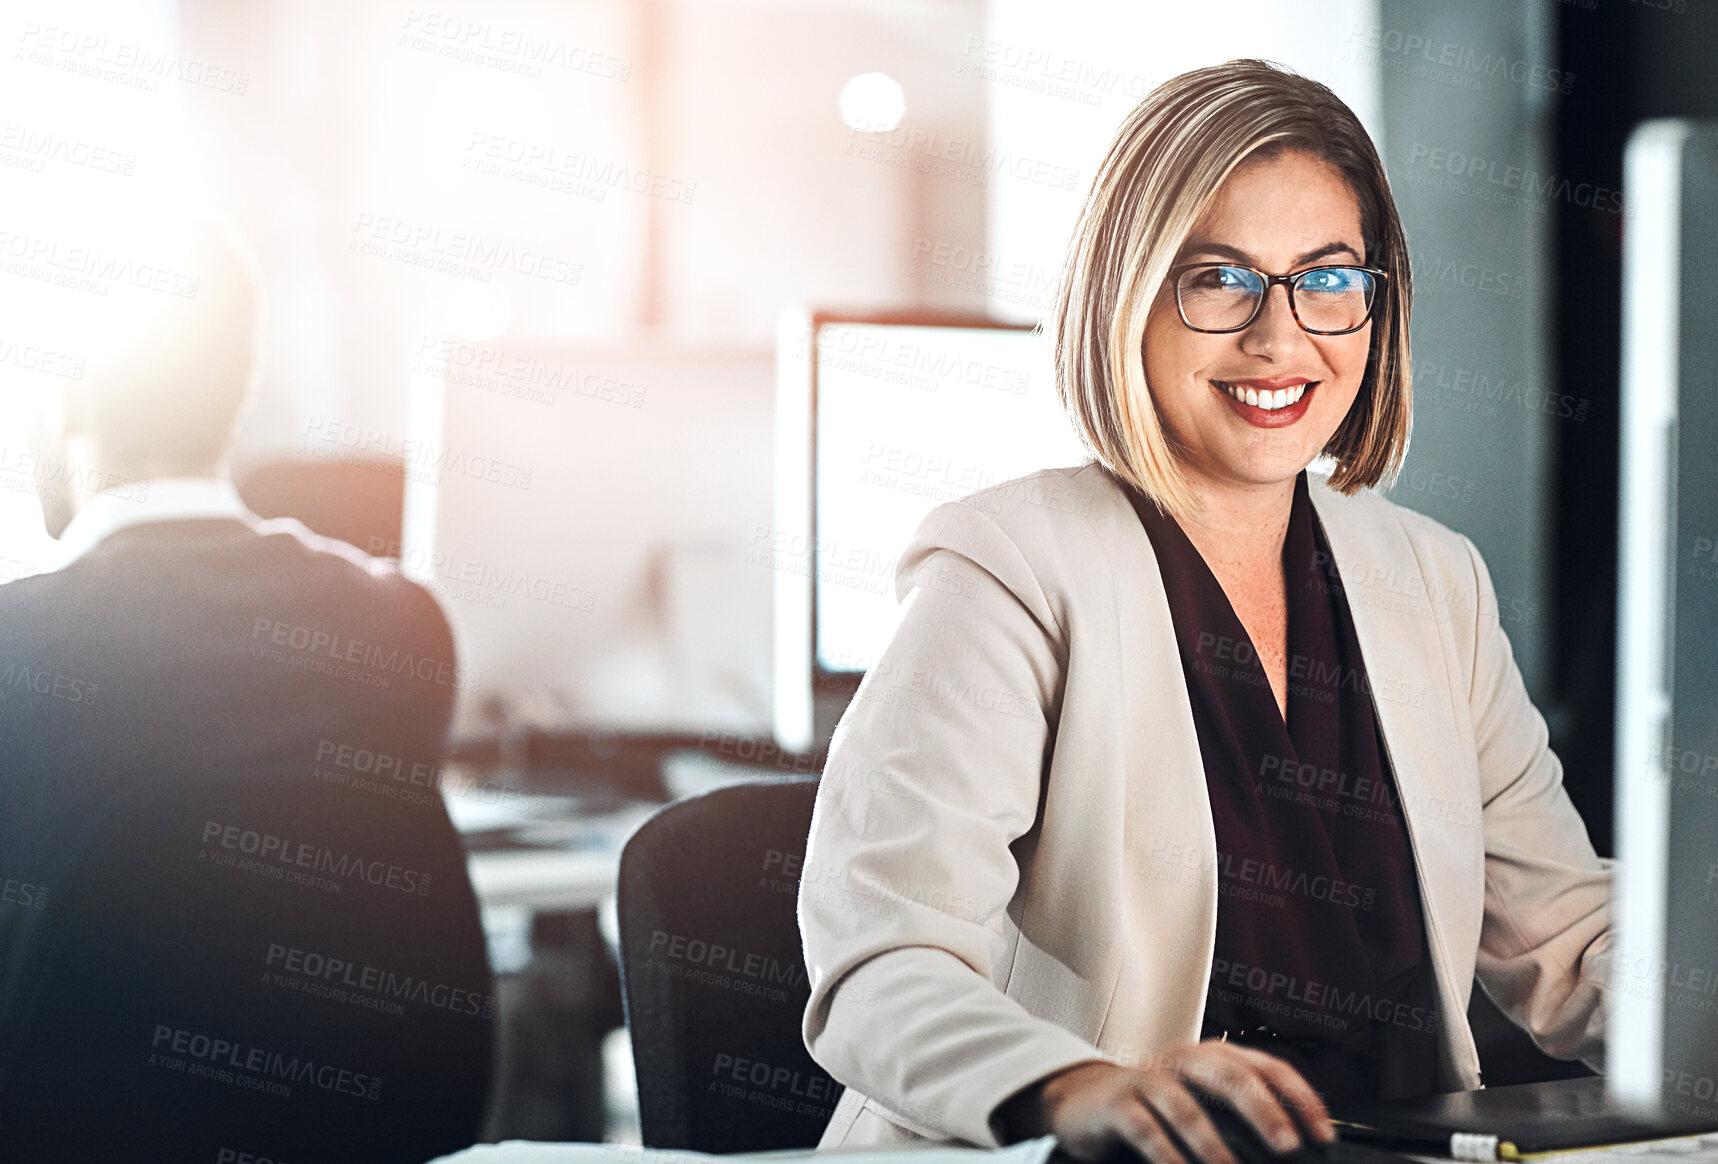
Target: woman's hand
(1094,1108)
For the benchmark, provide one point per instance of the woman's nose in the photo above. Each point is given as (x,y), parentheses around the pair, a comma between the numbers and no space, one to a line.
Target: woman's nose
(1274,327)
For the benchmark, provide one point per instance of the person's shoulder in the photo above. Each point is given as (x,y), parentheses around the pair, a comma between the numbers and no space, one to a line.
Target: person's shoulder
(290,542)
(1367,518)
(1042,508)
(341,574)
(1044,536)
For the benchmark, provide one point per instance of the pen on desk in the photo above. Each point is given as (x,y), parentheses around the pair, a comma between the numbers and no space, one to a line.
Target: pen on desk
(1456,1146)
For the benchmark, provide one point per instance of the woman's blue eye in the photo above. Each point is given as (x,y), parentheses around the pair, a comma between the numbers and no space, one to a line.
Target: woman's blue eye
(1330,280)
(1221,279)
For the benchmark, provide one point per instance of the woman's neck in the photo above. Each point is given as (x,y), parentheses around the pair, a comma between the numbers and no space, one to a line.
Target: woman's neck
(1241,528)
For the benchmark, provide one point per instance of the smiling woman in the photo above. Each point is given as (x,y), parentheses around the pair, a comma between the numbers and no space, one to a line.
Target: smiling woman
(1161,908)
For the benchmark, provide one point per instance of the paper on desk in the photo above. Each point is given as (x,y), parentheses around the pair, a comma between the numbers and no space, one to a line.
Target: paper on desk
(526,1152)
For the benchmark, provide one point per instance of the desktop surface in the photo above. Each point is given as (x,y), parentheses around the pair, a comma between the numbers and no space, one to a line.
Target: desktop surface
(1555,1116)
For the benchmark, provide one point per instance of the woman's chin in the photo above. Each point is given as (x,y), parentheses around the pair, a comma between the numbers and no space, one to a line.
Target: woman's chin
(1253,469)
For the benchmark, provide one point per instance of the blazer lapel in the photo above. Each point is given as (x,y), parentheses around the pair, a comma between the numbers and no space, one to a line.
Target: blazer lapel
(1403,625)
(1171,840)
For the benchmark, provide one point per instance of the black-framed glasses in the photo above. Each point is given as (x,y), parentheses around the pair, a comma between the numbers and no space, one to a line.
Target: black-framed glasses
(1222,297)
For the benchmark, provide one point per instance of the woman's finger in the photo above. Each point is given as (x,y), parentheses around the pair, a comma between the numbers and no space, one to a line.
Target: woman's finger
(1260,1105)
(1141,1130)
(1295,1093)
(1176,1109)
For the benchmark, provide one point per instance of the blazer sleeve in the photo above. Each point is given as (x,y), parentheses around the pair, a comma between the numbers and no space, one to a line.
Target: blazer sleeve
(1546,937)
(934,771)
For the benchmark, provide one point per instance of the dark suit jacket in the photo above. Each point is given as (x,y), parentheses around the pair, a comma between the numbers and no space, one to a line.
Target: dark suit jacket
(233,911)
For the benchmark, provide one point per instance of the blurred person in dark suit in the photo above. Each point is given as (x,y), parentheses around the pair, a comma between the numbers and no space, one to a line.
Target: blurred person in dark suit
(238,917)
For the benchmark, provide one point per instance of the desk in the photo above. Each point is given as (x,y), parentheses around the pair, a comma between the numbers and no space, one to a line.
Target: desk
(562,857)
(573,861)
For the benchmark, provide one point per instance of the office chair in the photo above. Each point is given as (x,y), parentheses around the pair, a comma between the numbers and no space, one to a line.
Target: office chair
(187,994)
(713,974)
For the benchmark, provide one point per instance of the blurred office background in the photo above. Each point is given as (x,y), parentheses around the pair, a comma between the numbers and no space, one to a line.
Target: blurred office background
(533,255)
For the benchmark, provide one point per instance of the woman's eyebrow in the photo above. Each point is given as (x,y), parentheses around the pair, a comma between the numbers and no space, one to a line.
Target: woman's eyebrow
(1228,252)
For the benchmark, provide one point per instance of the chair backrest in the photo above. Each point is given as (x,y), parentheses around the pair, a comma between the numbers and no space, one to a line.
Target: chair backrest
(714,976)
(242,971)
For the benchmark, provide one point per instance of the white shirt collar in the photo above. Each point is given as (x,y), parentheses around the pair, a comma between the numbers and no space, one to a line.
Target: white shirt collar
(141,502)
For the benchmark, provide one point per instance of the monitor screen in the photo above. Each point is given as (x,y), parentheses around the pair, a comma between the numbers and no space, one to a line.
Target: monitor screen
(582,513)
(1663,1040)
(908,418)
(880,419)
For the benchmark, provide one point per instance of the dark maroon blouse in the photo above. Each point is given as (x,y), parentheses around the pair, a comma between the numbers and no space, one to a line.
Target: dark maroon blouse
(1321,951)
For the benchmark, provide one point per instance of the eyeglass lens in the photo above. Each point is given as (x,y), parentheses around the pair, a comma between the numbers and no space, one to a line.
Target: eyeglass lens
(1325,298)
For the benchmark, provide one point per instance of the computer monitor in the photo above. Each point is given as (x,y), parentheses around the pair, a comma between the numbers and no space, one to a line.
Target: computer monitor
(581,511)
(1663,996)
(880,418)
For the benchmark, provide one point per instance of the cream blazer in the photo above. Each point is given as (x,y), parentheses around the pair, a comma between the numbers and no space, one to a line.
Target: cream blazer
(1011,861)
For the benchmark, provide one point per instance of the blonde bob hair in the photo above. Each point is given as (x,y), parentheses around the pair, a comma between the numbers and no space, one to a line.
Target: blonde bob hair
(1161,173)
